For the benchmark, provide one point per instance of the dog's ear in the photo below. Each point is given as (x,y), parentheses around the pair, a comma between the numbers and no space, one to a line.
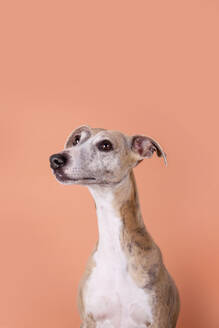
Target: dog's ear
(79,130)
(144,147)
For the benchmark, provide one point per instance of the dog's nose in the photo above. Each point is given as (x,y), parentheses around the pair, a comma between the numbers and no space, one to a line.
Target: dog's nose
(57,160)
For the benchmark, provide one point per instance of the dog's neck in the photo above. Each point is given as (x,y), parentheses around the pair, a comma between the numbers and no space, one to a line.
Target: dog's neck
(116,205)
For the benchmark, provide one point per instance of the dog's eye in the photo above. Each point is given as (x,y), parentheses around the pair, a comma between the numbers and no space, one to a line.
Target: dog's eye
(105,145)
(76,139)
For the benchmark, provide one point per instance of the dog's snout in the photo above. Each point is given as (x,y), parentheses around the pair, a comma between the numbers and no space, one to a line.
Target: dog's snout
(57,161)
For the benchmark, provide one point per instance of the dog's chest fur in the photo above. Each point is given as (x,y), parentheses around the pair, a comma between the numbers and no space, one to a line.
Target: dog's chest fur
(112,296)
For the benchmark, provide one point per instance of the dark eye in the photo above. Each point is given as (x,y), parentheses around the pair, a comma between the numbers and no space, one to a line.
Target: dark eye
(105,145)
(76,139)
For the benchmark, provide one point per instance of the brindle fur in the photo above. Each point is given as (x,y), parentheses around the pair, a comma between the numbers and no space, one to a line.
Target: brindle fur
(145,264)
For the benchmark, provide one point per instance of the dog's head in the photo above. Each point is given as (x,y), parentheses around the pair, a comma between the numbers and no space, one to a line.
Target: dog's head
(98,156)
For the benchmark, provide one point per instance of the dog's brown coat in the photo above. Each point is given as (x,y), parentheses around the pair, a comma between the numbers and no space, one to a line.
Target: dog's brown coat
(144,264)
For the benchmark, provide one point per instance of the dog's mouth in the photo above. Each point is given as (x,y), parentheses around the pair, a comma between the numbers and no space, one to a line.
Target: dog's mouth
(60,176)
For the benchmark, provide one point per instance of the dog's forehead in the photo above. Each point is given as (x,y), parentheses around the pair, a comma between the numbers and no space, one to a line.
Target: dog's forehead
(97,134)
(95,131)
(114,136)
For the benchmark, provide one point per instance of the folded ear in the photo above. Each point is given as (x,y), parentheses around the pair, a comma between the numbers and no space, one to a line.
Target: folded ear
(144,147)
(79,130)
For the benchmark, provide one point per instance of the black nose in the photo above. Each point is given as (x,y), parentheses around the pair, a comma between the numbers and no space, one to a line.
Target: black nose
(57,160)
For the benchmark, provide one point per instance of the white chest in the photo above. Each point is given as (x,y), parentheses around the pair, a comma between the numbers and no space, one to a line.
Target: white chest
(111,294)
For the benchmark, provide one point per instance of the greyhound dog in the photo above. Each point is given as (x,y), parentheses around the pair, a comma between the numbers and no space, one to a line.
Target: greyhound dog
(125,284)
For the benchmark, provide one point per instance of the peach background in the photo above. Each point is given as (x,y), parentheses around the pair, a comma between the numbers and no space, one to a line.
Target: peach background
(149,67)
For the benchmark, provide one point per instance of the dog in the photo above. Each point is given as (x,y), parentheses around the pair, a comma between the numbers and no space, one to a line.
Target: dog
(125,284)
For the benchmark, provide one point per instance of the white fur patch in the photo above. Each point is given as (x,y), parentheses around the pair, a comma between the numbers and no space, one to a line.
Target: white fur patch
(111,294)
